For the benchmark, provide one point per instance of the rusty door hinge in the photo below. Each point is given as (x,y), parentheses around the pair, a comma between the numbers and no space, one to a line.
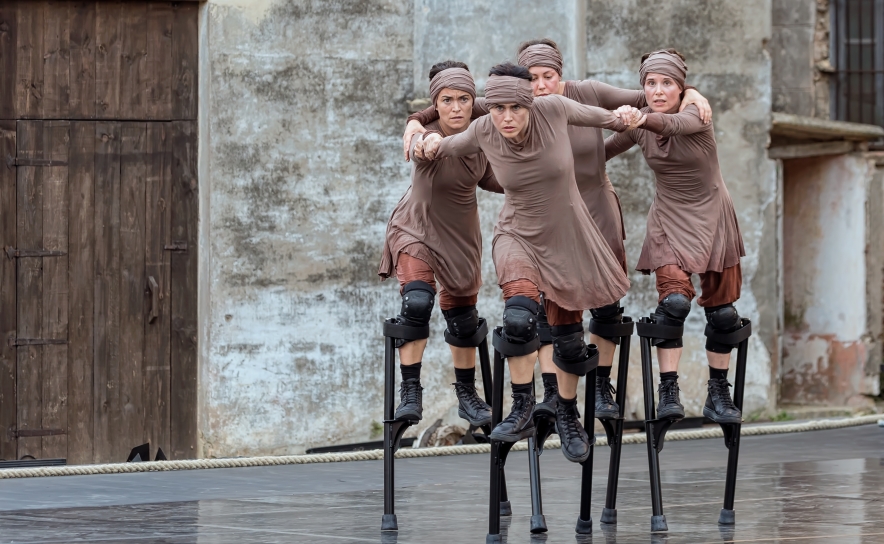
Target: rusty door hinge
(37,341)
(21,161)
(13,253)
(14,433)
(176,246)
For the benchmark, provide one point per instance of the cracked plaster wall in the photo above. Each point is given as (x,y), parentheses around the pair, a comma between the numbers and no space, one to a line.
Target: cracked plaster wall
(302,107)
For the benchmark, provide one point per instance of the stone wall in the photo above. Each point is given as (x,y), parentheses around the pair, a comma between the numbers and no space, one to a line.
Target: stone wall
(302,108)
(800,57)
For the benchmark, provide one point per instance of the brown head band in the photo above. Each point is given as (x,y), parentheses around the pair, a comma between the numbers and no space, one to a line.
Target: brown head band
(665,63)
(452,78)
(541,55)
(509,90)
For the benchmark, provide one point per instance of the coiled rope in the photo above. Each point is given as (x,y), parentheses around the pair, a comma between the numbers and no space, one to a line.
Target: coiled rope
(376,455)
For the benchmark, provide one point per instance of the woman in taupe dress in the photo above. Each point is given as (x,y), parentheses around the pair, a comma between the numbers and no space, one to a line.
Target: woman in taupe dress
(433,237)
(692,229)
(545,241)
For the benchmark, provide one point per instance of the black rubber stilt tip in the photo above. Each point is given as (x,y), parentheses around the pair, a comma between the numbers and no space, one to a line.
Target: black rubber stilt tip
(609,516)
(727,517)
(584,526)
(506,509)
(538,523)
(658,524)
(493,539)
(388,523)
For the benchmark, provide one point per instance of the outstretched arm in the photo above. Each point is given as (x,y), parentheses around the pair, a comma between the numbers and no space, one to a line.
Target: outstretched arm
(684,122)
(591,116)
(616,144)
(610,97)
(417,121)
(433,146)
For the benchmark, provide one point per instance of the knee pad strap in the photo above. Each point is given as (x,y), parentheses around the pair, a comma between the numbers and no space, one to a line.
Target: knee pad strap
(719,321)
(570,351)
(612,314)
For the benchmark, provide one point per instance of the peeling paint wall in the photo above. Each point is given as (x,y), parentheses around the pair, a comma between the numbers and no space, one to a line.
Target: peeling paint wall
(302,108)
(829,339)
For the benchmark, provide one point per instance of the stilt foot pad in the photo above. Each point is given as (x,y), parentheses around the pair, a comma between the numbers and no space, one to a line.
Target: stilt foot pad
(609,516)
(658,524)
(493,539)
(727,517)
(538,523)
(506,509)
(584,526)
(389,523)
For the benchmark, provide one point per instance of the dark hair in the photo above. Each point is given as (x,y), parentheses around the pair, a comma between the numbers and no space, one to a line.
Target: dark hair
(445,65)
(670,50)
(510,69)
(542,41)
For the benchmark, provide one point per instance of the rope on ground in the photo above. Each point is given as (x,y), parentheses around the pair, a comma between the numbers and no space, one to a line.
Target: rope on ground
(377,455)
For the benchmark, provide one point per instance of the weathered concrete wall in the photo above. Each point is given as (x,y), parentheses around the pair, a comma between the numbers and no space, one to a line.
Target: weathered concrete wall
(728,61)
(302,107)
(799,50)
(829,338)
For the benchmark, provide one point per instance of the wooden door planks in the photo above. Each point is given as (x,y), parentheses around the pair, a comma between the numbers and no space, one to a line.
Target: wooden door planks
(108,59)
(106,323)
(156,370)
(133,283)
(82,60)
(56,139)
(185,68)
(81,272)
(7,291)
(56,61)
(8,58)
(29,227)
(134,78)
(185,214)
(158,66)
(29,65)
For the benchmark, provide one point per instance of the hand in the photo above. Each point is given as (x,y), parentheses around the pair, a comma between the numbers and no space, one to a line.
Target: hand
(429,146)
(692,96)
(413,127)
(630,116)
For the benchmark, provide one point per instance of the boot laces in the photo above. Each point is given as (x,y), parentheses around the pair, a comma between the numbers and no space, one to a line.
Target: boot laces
(467,393)
(520,404)
(569,420)
(550,392)
(668,392)
(410,392)
(604,390)
(720,390)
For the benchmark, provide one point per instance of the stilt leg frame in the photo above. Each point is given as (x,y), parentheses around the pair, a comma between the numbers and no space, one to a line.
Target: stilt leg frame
(393,429)
(655,429)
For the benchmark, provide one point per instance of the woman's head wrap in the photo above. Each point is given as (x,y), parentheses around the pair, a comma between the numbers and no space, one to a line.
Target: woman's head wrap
(541,55)
(452,78)
(509,90)
(666,63)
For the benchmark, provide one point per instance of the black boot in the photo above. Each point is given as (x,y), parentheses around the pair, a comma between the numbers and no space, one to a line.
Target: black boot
(575,441)
(719,405)
(547,408)
(411,401)
(605,405)
(470,406)
(519,424)
(668,406)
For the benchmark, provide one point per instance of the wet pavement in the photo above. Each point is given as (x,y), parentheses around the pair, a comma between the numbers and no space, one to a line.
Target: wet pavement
(824,486)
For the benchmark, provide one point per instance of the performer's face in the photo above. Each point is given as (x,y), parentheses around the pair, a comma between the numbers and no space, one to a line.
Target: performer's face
(511,120)
(455,108)
(662,93)
(544,80)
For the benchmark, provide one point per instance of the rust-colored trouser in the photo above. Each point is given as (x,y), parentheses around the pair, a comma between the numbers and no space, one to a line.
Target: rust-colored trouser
(717,288)
(554,314)
(410,269)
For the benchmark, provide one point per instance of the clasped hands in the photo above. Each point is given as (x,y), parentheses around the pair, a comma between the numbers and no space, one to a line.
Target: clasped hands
(425,149)
(630,116)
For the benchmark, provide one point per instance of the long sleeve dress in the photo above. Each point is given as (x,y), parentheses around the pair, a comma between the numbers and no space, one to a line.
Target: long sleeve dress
(691,222)
(437,221)
(544,232)
(588,149)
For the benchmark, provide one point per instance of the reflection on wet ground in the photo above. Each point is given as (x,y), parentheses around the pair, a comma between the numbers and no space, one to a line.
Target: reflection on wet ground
(815,487)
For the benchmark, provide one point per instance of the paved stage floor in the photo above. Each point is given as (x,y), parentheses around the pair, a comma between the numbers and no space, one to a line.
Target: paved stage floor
(823,486)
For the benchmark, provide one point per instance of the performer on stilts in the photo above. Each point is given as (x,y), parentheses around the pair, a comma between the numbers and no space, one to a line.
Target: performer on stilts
(544,61)
(433,236)
(545,242)
(692,229)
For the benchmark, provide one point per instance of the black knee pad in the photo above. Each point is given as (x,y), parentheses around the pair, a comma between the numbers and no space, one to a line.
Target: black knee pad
(608,315)
(722,318)
(520,320)
(568,341)
(417,306)
(463,321)
(672,311)
(544,333)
